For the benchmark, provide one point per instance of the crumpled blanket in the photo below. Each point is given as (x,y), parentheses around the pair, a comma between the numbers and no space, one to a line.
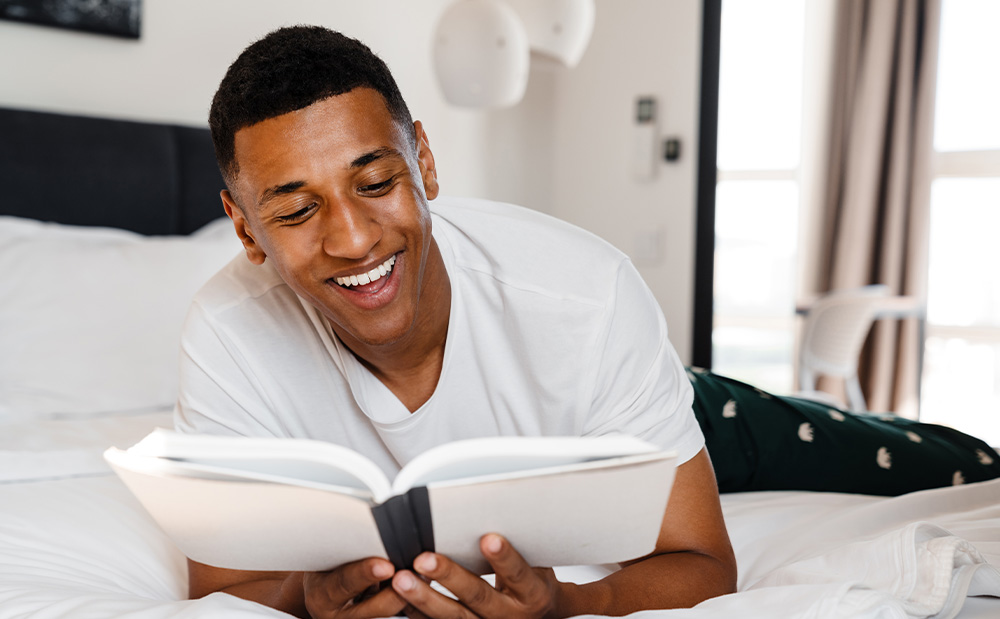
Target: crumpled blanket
(818,555)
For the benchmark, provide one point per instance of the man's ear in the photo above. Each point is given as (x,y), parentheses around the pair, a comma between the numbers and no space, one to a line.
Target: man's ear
(255,253)
(428,172)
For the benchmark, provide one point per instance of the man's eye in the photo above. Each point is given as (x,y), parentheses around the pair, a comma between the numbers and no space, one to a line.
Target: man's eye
(298,215)
(376,187)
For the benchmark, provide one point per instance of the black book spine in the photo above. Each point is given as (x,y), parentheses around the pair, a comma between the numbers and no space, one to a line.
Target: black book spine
(404,522)
(420,507)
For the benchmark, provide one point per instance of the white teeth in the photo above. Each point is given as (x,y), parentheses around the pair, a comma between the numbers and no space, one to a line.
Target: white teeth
(366,278)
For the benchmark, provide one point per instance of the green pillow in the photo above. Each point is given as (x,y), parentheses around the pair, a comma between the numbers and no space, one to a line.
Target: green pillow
(760,441)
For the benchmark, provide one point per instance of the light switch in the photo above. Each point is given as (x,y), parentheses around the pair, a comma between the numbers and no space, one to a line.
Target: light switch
(644,148)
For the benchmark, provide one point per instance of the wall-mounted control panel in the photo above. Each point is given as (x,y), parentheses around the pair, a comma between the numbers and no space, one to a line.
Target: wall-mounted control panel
(645,138)
(647,148)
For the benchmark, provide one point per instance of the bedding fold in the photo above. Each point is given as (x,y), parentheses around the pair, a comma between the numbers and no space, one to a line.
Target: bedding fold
(921,570)
(809,555)
(917,571)
(20,466)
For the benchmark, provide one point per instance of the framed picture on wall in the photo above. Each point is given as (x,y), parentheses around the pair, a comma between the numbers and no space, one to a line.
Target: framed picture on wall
(115,17)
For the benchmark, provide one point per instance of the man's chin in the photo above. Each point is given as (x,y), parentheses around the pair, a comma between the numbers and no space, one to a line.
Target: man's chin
(386,337)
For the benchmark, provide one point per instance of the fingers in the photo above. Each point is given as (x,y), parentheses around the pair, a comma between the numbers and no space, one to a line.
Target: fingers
(350,580)
(413,613)
(507,563)
(525,591)
(385,603)
(531,590)
(326,593)
(471,590)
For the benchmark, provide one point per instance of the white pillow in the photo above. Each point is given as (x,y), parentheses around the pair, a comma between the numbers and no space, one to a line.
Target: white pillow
(90,318)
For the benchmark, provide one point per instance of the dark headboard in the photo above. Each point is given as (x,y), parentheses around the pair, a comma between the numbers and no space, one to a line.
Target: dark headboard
(145,177)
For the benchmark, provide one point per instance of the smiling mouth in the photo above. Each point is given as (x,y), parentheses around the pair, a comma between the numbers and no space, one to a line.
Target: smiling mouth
(363,279)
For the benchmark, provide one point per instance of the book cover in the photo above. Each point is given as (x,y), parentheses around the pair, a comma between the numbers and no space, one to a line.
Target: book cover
(301,505)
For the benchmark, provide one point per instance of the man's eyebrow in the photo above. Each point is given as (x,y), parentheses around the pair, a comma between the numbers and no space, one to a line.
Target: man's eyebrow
(375,155)
(360,162)
(273,192)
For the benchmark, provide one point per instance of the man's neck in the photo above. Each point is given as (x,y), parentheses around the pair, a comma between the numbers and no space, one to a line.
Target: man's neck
(411,366)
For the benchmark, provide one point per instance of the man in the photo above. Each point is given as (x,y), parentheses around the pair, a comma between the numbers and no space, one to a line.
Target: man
(362,317)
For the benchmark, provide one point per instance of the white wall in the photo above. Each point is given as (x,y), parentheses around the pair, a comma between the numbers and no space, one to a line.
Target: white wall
(563,150)
(172,71)
(639,47)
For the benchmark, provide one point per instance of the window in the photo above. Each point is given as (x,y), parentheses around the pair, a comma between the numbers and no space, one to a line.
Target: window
(961,380)
(757,196)
(765,113)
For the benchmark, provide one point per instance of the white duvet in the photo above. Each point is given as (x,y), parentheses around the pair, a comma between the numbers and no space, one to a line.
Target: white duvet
(74,544)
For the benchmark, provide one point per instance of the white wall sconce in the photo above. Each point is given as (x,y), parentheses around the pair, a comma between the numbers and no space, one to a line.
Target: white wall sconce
(559,29)
(482,48)
(481,54)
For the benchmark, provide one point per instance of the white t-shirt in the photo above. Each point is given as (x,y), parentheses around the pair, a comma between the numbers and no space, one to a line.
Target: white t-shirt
(552,332)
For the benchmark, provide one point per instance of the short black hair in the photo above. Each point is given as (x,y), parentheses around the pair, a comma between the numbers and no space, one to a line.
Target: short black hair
(289,69)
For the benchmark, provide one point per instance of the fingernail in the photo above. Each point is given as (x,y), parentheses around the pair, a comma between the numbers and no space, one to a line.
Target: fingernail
(382,570)
(426,562)
(493,544)
(405,581)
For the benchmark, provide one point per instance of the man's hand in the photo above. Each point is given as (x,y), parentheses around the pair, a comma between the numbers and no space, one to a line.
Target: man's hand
(521,591)
(350,591)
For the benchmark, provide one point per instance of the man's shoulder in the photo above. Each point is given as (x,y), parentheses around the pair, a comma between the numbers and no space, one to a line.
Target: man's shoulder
(238,283)
(521,246)
(486,217)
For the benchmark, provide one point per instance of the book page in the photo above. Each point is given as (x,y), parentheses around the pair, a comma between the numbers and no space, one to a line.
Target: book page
(480,457)
(585,517)
(162,467)
(257,526)
(281,459)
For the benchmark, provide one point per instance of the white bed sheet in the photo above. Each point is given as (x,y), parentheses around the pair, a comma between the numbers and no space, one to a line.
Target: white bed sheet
(57,448)
(74,544)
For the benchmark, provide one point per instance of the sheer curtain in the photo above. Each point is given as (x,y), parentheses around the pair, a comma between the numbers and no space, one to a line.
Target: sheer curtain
(876,211)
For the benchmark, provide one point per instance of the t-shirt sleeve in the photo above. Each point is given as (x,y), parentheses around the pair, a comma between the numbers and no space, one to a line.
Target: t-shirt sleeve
(218,391)
(639,384)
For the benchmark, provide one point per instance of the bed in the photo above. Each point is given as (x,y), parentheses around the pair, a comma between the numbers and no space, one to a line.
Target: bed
(91,304)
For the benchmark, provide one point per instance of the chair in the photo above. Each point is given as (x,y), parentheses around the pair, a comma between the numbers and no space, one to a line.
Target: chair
(835,329)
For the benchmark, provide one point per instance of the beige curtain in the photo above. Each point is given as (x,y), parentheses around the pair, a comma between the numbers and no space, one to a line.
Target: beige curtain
(876,214)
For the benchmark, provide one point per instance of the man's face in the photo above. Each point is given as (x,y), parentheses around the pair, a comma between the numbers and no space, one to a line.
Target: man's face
(335,196)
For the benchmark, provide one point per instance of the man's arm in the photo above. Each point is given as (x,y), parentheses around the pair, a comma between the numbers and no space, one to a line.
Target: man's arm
(693,561)
(305,594)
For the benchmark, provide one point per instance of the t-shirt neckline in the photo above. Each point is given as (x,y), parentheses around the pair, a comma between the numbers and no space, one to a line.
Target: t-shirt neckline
(376,400)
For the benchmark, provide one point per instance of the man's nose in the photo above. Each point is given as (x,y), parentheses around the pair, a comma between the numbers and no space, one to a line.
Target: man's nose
(351,230)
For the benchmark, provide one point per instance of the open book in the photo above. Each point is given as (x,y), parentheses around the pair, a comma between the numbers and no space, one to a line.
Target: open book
(301,505)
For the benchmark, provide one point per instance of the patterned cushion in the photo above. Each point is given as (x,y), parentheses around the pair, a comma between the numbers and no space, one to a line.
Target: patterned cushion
(760,441)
